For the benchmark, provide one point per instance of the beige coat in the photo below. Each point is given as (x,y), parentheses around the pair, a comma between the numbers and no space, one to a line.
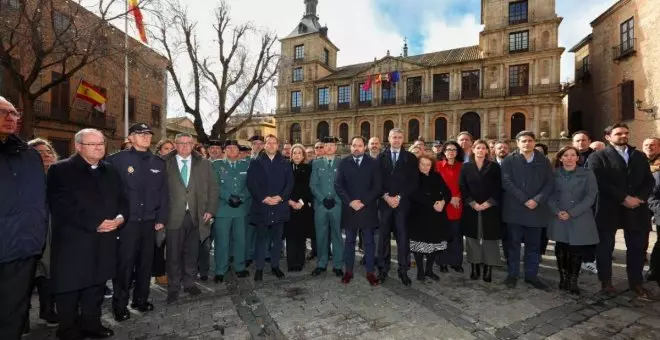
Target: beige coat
(201,193)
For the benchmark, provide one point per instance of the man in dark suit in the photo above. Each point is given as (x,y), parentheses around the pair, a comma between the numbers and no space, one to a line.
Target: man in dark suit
(399,172)
(270,181)
(625,184)
(358,184)
(87,206)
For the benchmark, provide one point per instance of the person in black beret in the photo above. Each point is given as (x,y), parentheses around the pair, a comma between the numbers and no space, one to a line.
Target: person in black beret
(243,152)
(215,150)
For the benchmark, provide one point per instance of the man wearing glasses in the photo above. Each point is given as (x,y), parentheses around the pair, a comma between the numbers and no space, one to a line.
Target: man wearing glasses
(23,221)
(145,186)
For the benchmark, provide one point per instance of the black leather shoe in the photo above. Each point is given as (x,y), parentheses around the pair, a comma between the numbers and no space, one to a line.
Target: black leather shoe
(204,278)
(458,269)
(382,277)
(338,272)
(172,297)
(277,272)
(443,268)
(243,274)
(511,282)
(536,283)
(433,276)
(248,263)
(193,291)
(318,271)
(122,315)
(218,279)
(259,275)
(488,273)
(99,333)
(405,279)
(142,307)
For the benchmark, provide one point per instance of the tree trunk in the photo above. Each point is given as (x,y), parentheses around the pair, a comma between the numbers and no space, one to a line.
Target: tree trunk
(28,121)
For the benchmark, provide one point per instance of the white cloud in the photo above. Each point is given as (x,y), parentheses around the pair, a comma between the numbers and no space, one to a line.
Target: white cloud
(442,36)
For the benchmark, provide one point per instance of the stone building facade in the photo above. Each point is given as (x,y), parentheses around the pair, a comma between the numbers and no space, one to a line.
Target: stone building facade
(507,83)
(617,72)
(59,115)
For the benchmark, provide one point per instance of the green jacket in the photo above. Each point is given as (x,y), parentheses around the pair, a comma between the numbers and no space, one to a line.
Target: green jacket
(322,181)
(232,181)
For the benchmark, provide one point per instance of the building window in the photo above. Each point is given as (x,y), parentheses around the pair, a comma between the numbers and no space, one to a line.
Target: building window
(294,133)
(413,130)
(470,84)
(519,42)
(324,98)
(388,93)
(628,100)
(440,87)
(441,129)
(628,36)
(344,97)
(365,130)
(296,101)
(61,23)
(343,133)
(10,4)
(59,98)
(299,52)
(297,74)
(414,90)
(155,115)
(517,124)
(322,130)
(131,109)
(518,79)
(365,96)
(387,126)
(517,12)
(326,56)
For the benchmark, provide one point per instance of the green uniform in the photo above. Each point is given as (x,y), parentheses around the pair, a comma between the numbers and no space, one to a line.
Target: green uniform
(322,184)
(230,223)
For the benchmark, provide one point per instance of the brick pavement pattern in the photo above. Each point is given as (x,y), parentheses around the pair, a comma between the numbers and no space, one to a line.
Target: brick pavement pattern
(305,307)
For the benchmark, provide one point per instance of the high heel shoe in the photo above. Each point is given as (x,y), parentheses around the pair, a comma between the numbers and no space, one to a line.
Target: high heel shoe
(476,271)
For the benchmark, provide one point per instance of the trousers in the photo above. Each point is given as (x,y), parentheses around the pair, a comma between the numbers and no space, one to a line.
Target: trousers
(636,240)
(182,252)
(134,260)
(532,237)
(16,279)
(264,233)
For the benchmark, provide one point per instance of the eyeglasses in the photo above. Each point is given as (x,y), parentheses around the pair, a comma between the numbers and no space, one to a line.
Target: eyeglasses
(93,144)
(318,147)
(6,112)
(451,150)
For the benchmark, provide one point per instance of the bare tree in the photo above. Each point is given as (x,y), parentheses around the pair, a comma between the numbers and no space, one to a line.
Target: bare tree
(53,35)
(231,78)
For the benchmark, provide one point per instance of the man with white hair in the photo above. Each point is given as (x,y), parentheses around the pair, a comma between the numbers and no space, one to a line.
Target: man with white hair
(87,206)
(23,225)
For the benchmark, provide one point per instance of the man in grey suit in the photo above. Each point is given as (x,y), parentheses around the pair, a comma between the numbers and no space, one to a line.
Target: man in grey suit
(193,200)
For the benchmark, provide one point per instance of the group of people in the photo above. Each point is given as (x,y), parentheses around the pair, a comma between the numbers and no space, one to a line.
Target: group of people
(69,226)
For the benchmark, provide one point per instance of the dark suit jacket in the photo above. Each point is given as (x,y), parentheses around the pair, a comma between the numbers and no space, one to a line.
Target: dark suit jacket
(362,183)
(616,180)
(400,179)
(266,178)
(80,199)
(481,186)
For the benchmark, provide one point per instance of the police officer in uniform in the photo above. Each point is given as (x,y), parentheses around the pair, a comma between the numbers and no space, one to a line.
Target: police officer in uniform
(327,209)
(230,220)
(144,184)
(243,152)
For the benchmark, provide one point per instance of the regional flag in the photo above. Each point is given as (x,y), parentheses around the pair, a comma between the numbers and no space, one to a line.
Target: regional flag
(139,23)
(88,93)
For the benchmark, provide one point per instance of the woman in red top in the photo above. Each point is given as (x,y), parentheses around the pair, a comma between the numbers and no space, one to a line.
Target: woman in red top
(450,170)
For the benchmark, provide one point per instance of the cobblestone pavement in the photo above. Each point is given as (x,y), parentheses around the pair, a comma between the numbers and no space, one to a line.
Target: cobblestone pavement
(305,307)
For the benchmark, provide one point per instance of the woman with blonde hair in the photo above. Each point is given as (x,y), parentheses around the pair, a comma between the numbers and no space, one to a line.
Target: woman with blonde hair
(300,225)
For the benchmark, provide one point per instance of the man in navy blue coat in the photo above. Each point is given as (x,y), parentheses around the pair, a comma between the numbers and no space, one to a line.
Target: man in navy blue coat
(358,184)
(270,181)
(400,173)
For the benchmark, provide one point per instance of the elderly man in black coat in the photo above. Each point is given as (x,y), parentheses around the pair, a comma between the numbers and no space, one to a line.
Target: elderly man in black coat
(87,206)
(358,184)
(624,184)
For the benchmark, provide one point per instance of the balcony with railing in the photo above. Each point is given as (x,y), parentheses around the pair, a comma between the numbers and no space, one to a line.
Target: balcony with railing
(343,106)
(518,90)
(528,46)
(322,107)
(627,48)
(364,103)
(296,109)
(412,99)
(494,93)
(388,101)
(582,73)
(441,96)
(470,94)
(84,117)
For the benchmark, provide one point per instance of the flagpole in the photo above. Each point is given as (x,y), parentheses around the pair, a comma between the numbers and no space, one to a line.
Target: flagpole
(126,72)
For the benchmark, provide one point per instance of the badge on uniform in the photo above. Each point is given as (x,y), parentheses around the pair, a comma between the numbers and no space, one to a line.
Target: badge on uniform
(155,171)
(130,169)
(243,173)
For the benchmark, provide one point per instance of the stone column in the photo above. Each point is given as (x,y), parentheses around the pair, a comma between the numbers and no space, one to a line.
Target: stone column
(425,130)
(457,123)
(554,128)
(501,129)
(400,123)
(536,121)
(312,133)
(484,123)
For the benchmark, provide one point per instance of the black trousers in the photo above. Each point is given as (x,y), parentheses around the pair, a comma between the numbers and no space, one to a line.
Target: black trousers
(635,253)
(655,261)
(182,253)
(204,259)
(88,300)
(158,266)
(393,220)
(134,261)
(16,279)
(295,248)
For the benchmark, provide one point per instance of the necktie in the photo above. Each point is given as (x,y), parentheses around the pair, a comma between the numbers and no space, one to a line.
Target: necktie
(184,172)
(330,163)
(395,157)
(357,161)
(233,165)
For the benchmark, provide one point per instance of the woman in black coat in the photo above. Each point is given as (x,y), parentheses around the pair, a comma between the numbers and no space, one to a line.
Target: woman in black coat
(427,220)
(300,226)
(481,187)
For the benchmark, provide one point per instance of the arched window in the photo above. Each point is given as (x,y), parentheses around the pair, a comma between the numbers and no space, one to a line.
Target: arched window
(441,129)
(295,133)
(471,122)
(517,124)
(387,126)
(343,132)
(365,130)
(413,130)
(322,130)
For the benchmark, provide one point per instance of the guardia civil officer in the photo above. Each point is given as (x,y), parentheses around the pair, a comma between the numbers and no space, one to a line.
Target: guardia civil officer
(231,217)
(144,183)
(327,209)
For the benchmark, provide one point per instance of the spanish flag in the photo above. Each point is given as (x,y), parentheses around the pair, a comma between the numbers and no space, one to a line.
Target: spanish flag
(133,7)
(88,93)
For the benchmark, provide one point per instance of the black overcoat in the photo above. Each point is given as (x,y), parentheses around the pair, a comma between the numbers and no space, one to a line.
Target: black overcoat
(301,221)
(424,223)
(480,186)
(80,199)
(616,180)
(363,183)
(268,178)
